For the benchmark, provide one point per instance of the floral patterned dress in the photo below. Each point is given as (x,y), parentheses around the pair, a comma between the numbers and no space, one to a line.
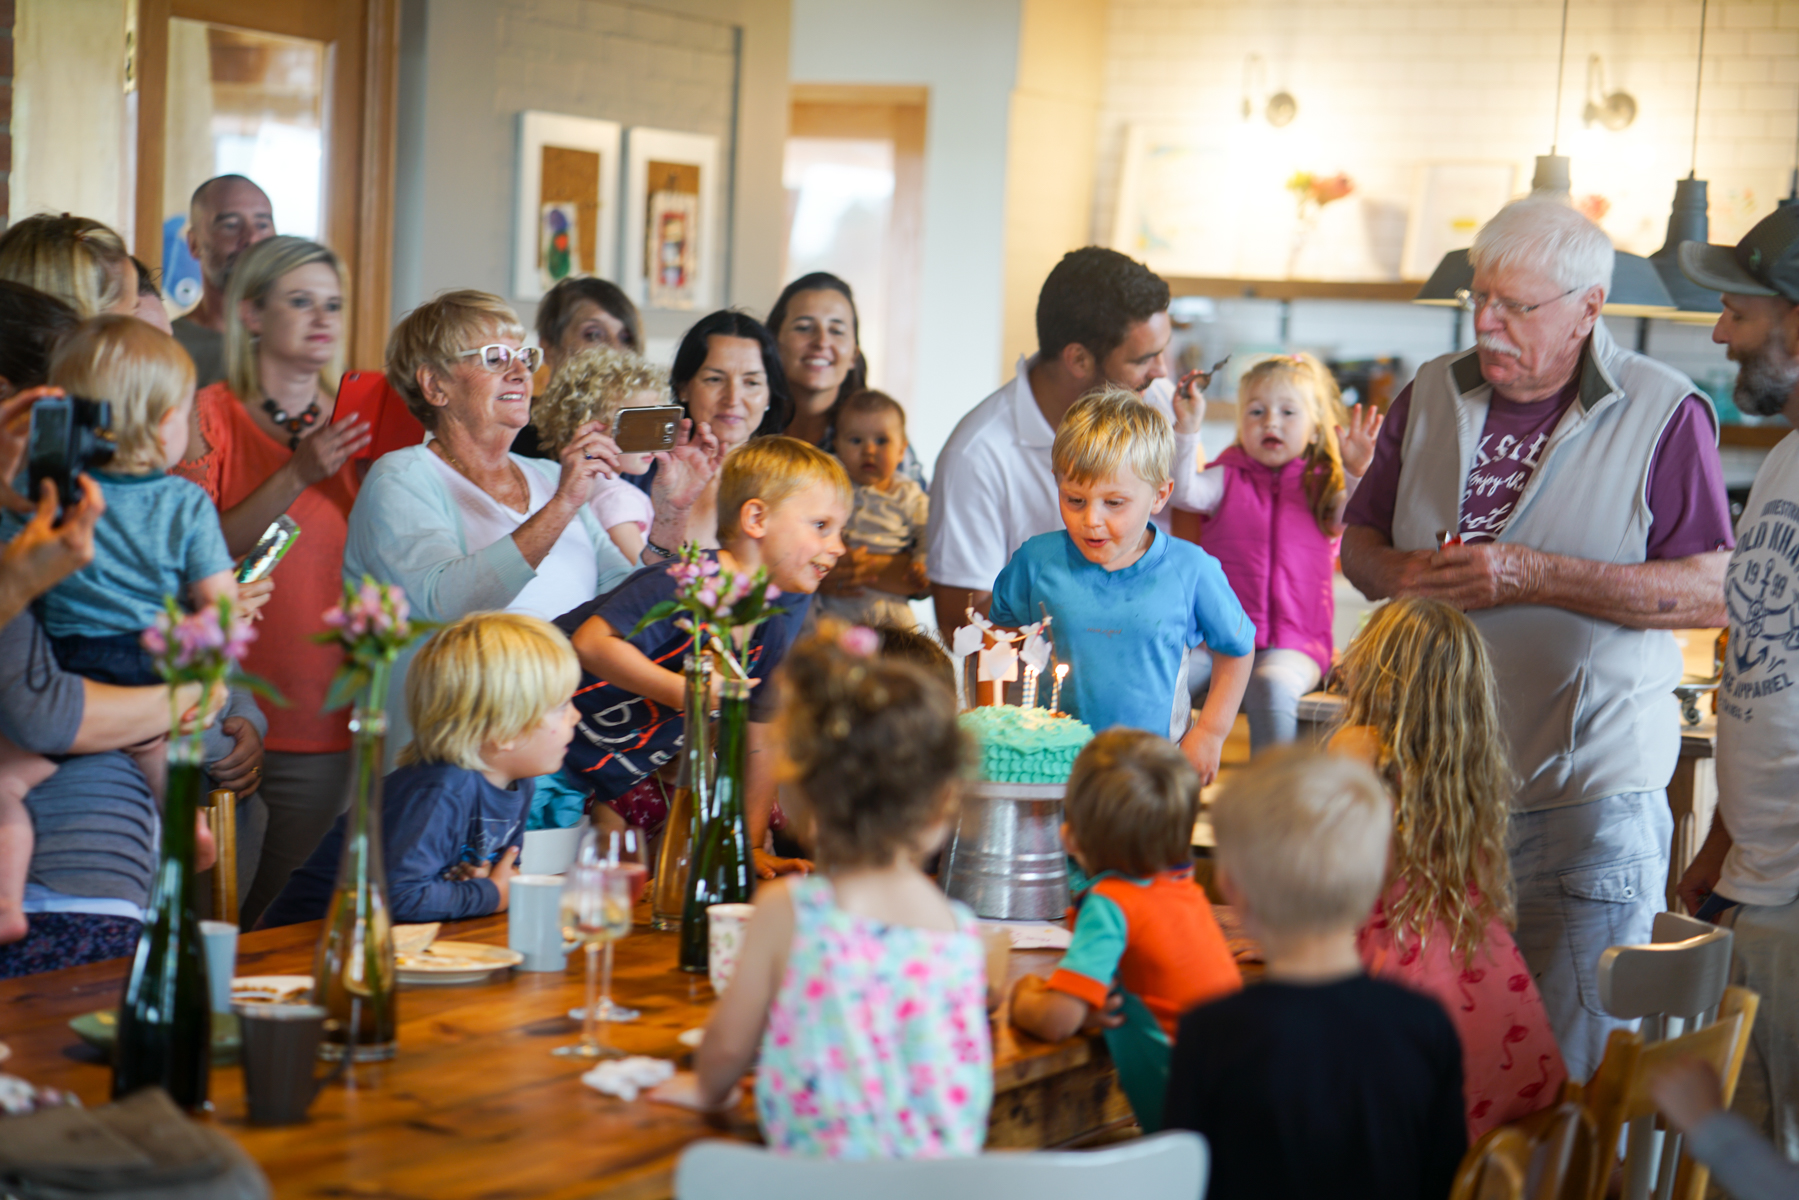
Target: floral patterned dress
(877,1043)
(1511,1065)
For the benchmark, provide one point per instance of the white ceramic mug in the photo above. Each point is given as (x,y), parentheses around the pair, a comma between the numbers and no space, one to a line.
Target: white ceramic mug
(534,922)
(725,924)
(220,940)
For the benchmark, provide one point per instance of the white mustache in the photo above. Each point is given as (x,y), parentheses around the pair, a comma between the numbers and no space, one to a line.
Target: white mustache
(1493,345)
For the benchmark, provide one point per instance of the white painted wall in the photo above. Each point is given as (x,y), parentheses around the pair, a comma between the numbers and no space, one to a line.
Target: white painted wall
(69,112)
(966,53)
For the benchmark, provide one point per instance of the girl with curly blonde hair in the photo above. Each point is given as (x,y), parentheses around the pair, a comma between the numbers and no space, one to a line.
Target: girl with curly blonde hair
(1423,709)
(595,385)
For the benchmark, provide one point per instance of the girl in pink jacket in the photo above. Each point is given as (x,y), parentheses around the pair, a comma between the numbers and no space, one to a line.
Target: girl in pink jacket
(1273,504)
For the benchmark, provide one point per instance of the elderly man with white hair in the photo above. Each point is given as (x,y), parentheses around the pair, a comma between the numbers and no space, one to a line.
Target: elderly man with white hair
(1566,493)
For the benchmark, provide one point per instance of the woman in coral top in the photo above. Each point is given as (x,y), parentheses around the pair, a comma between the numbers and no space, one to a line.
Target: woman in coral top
(1422,707)
(268,446)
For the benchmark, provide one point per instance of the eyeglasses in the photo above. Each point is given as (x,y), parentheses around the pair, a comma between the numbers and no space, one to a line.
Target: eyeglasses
(497,356)
(1475,301)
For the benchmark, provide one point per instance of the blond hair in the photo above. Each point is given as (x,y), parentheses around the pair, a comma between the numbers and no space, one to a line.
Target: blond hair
(257,272)
(1419,677)
(435,334)
(593,385)
(142,371)
(487,677)
(76,259)
(772,469)
(1317,388)
(1132,800)
(1304,837)
(1109,429)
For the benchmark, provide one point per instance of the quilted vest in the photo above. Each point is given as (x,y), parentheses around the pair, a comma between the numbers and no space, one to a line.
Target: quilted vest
(1586,704)
(1277,559)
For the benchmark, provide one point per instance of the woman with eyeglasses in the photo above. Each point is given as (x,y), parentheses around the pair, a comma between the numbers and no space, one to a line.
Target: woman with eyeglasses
(463,523)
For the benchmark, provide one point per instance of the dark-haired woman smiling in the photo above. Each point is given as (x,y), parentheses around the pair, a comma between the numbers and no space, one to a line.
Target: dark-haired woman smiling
(728,376)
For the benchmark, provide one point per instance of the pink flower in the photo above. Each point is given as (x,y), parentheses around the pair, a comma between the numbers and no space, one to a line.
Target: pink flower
(859,640)
(708,598)
(334,617)
(155,641)
(709,567)
(771,595)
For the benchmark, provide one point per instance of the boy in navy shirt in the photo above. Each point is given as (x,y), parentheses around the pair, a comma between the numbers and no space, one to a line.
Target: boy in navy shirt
(488,697)
(1129,601)
(782,504)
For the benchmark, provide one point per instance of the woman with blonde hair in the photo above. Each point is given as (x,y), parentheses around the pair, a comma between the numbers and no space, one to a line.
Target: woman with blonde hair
(264,444)
(76,259)
(1422,708)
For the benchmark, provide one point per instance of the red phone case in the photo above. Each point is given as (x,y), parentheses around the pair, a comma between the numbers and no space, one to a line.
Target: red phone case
(369,395)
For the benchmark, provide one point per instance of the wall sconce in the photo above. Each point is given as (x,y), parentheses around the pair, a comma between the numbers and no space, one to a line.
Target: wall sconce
(1280,108)
(1614,110)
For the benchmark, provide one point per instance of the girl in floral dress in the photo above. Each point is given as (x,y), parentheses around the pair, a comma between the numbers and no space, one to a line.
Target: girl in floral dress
(1423,709)
(862,987)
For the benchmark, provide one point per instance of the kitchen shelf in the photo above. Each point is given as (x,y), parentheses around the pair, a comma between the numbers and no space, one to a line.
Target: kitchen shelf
(1291,289)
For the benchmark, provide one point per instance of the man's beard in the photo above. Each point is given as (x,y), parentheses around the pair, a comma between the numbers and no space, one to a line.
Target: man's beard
(1766,379)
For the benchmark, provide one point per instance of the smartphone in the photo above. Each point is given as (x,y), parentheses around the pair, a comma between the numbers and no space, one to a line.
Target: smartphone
(642,430)
(270,549)
(369,395)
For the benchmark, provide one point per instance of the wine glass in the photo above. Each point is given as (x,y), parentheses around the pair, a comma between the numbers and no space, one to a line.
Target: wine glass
(627,851)
(596,911)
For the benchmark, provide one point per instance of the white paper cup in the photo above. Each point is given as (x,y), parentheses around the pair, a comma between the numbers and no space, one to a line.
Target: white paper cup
(220,939)
(534,922)
(725,924)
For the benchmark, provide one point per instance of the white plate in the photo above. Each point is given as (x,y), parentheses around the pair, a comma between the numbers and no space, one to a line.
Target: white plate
(456,962)
(271,989)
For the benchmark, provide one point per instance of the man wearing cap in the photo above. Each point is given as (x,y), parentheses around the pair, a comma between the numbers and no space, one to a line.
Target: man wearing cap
(1565,493)
(1747,874)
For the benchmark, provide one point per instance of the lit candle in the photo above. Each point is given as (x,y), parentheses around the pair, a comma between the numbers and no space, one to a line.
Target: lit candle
(1055,692)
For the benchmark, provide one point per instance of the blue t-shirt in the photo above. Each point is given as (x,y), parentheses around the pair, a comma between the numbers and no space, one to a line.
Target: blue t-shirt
(623,736)
(158,535)
(1125,634)
(433,816)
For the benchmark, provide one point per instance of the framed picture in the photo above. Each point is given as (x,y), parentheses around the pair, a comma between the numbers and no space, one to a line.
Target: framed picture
(567,222)
(674,242)
(1450,202)
(1174,212)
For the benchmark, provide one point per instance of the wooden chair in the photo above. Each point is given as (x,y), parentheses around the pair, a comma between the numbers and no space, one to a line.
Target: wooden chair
(1618,1094)
(1164,1166)
(1552,1155)
(1674,984)
(221,815)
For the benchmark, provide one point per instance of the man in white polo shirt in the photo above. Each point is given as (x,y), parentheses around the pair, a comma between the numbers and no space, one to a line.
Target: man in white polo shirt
(1747,873)
(1101,318)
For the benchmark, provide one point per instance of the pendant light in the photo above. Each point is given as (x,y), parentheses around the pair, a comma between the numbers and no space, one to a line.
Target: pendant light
(1636,289)
(1688,222)
(1792,197)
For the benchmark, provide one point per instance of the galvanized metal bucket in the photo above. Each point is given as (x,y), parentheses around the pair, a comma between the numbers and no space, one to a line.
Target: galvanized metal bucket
(1005,858)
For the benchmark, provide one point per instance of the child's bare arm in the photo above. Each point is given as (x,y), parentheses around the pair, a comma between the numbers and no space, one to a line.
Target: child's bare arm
(213,588)
(605,653)
(1047,1014)
(628,538)
(734,1034)
(1204,743)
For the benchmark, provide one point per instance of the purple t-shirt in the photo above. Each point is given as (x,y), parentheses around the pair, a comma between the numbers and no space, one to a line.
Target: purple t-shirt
(1689,511)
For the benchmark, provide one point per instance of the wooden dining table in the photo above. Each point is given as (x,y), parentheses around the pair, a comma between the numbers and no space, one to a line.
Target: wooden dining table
(474,1105)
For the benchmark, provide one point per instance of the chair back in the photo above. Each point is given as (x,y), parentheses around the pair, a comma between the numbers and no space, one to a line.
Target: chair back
(1619,1094)
(1682,973)
(1552,1155)
(1163,1166)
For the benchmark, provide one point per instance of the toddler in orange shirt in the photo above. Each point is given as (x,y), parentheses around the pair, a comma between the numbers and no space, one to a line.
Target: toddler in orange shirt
(1146,946)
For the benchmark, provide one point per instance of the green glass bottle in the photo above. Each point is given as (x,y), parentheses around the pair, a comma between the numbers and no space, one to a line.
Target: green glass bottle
(722,870)
(354,969)
(165,1014)
(668,895)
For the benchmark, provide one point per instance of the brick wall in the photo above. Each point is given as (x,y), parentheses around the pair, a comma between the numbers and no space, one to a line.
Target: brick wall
(1385,85)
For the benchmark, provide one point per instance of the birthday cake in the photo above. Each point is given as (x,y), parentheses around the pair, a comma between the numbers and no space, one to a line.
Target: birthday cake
(1025,745)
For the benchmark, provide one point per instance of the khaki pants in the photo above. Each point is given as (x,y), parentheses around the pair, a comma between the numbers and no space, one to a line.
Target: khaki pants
(1766,960)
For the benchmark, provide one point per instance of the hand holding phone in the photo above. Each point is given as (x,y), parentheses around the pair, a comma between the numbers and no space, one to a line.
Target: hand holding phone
(647,430)
(270,548)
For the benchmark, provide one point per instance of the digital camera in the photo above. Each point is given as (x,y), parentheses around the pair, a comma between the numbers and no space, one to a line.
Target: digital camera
(69,435)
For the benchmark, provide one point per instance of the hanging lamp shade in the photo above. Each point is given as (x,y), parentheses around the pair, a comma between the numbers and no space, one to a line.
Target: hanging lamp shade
(1687,223)
(1453,274)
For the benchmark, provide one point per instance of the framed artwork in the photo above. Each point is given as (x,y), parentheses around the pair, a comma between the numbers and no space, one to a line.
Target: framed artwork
(674,245)
(1450,202)
(567,222)
(1174,213)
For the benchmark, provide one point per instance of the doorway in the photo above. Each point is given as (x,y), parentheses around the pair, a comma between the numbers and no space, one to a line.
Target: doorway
(299,97)
(854,173)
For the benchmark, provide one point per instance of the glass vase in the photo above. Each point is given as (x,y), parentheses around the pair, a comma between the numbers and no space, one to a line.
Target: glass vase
(722,872)
(668,897)
(165,1013)
(354,968)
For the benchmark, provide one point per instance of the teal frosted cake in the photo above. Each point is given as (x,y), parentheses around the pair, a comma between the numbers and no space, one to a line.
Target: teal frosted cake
(1025,745)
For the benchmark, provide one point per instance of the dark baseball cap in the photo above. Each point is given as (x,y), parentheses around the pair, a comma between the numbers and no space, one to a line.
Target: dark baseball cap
(1764,263)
